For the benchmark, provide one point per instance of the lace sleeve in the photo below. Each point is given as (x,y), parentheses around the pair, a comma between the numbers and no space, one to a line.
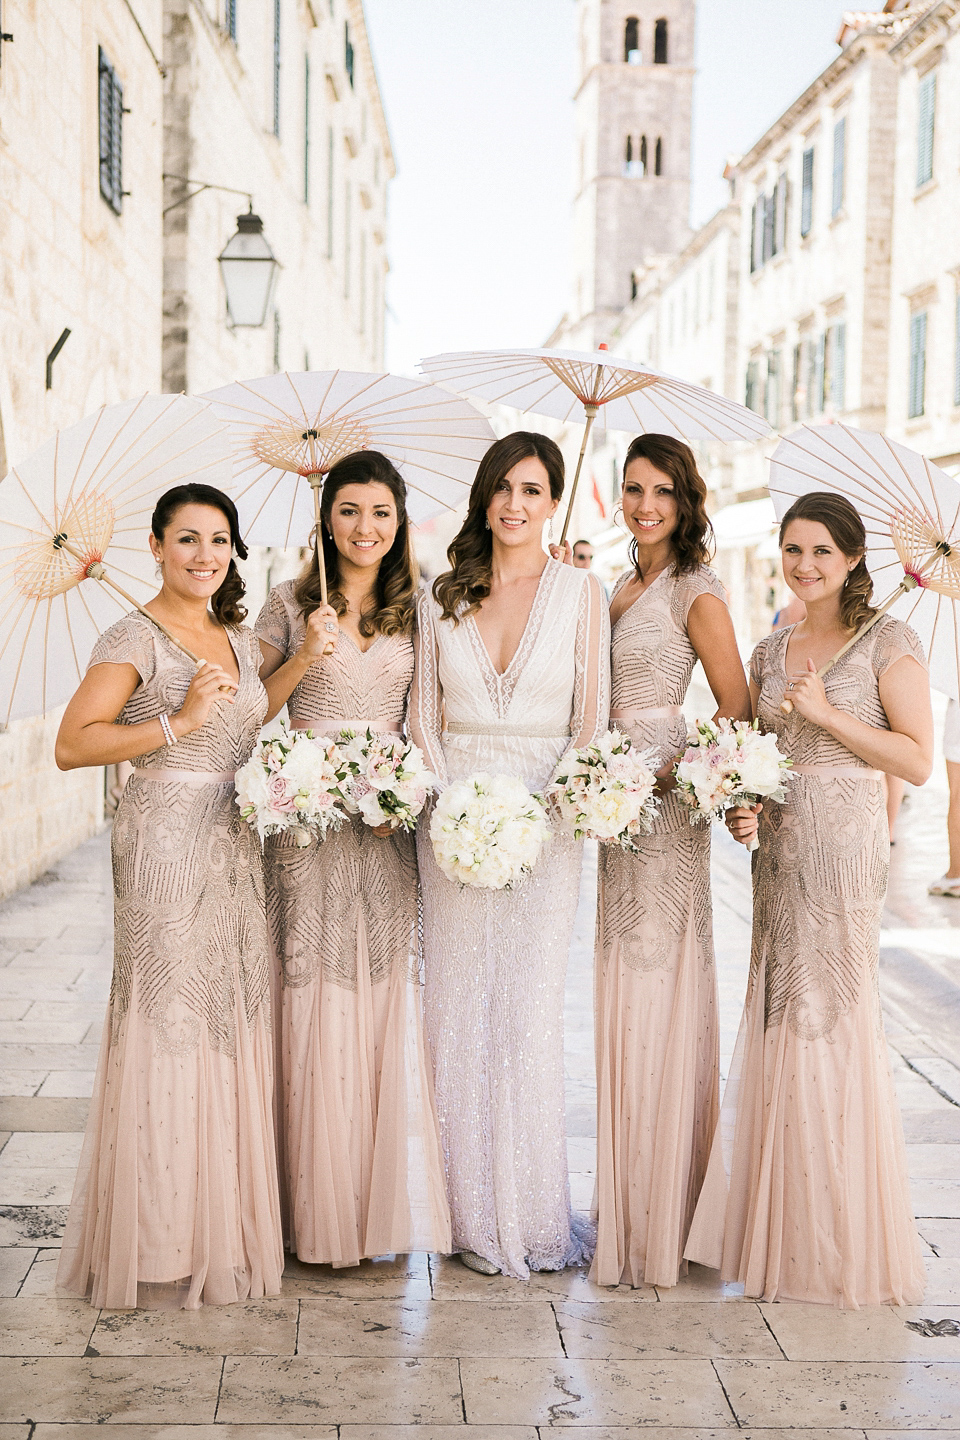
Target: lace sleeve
(273,622)
(591,696)
(690,587)
(128,642)
(426,698)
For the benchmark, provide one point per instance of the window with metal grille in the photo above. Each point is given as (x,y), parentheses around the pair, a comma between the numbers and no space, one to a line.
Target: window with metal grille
(926,115)
(819,373)
(643,154)
(806,193)
(631,41)
(348,52)
(276,67)
(230,19)
(918,363)
(111,134)
(658,157)
(799,390)
(780,216)
(660,42)
(752,397)
(306,129)
(835,380)
(839,165)
(771,407)
(956,351)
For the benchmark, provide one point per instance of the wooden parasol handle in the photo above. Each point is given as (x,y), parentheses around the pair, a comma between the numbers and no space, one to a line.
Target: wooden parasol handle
(591,412)
(97,571)
(316,481)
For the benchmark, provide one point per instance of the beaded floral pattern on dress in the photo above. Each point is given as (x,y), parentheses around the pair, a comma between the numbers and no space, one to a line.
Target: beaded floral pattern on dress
(189,901)
(317,896)
(820,876)
(647,897)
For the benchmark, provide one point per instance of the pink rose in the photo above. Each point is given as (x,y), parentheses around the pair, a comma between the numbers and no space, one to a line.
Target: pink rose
(278,797)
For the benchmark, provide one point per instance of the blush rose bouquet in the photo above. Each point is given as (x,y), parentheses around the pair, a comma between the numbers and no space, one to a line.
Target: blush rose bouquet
(729,763)
(605,791)
(386,781)
(292,782)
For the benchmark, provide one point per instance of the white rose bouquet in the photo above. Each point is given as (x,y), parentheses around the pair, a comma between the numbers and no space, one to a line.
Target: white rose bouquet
(488,830)
(728,764)
(606,791)
(387,781)
(292,782)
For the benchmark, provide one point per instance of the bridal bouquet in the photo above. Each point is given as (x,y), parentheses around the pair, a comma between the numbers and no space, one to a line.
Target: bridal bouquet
(488,830)
(606,791)
(292,782)
(387,781)
(727,764)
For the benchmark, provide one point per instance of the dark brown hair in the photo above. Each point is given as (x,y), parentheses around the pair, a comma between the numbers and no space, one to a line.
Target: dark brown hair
(471,553)
(391,611)
(692,539)
(225,601)
(847,532)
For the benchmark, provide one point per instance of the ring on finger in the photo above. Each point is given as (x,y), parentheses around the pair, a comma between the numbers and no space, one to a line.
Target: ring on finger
(330,626)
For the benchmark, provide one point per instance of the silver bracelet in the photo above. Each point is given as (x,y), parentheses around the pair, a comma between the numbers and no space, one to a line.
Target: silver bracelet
(167,729)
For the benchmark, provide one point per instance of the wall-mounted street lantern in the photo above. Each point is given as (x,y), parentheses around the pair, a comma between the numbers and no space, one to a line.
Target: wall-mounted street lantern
(247,264)
(249,269)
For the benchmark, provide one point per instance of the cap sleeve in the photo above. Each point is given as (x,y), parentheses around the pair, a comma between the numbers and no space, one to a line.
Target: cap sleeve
(275,621)
(128,642)
(895,639)
(691,586)
(758,663)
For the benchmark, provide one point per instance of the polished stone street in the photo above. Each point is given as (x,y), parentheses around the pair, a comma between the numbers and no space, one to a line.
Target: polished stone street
(422,1342)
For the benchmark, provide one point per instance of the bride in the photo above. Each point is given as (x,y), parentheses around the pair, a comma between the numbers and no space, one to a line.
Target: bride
(512,669)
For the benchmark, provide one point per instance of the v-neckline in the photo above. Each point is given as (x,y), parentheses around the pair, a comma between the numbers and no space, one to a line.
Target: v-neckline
(370,648)
(667,570)
(472,620)
(176,645)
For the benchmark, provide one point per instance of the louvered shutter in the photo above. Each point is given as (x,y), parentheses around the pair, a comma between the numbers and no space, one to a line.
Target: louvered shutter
(839,165)
(918,363)
(926,115)
(806,193)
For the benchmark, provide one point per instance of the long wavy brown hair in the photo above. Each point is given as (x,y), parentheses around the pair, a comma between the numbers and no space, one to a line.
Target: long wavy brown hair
(847,532)
(467,582)
(225,601)
(391,607)
(692,540)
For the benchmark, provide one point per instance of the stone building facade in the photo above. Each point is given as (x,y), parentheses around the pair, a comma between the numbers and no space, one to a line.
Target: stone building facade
(839,251)
(100,100)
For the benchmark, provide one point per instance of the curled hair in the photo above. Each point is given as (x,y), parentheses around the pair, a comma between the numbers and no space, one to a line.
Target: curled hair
(467,582)
(692,539)
(847,532)
(390,609)
(226,600)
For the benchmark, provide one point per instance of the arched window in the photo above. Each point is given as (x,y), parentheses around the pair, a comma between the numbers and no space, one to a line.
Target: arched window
(629,149)
(643,154)
(631,41)
(660,42)
(658,157)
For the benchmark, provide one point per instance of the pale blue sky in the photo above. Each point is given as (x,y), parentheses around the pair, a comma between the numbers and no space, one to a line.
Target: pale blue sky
(478,98)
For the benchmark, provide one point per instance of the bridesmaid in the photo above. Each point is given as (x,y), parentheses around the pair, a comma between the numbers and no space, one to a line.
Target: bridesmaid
(176,1199)
(656,1005)
(815,1204)
(359,1144)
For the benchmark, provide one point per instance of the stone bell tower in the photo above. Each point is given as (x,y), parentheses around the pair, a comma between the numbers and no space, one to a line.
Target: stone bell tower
(634,104)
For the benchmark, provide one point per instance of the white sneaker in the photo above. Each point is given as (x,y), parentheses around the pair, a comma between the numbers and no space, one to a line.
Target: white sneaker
(949,885)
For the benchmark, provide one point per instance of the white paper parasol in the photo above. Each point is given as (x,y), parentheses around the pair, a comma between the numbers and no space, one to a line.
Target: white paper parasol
(595,387)
(911,511)
(289,429)
(74,520)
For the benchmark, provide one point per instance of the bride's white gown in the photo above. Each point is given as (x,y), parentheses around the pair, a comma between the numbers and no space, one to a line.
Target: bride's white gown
(495,961)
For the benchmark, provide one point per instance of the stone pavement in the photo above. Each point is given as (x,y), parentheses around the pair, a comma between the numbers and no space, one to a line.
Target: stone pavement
(422,1342)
